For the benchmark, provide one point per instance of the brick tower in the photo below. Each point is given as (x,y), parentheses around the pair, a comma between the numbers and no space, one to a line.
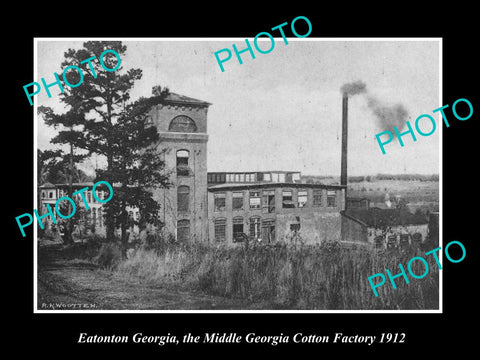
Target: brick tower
(181,122)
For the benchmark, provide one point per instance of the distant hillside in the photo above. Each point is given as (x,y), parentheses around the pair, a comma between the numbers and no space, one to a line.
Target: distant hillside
(312,179)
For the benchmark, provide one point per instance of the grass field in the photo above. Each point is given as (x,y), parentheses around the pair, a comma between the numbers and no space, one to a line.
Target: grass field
(322,277)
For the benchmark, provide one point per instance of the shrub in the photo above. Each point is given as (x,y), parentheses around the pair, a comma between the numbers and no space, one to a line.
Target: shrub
(109,256)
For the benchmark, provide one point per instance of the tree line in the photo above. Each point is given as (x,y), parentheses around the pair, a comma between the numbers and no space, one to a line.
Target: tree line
(371,178)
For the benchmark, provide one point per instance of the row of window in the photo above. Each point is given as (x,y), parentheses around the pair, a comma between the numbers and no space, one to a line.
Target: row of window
(95,215)
(257,229)
(61,193)
(278,177)
(266,199)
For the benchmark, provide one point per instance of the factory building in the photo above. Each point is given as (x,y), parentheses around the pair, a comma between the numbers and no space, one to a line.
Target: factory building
(270,212)
(233,207)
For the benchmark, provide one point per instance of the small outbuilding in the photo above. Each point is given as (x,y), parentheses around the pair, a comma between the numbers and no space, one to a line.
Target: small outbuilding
(384,227)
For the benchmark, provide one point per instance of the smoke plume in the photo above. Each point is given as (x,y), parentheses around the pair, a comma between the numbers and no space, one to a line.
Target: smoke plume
(354,88)
(387,116)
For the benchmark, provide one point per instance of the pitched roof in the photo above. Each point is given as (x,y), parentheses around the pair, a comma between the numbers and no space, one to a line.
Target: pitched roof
(182,99)
(386,217)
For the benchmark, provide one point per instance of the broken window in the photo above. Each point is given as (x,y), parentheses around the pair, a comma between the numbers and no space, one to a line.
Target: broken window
(237,227)
(182,163)
(183,194)
(392,241)
(237,201)
(416,238)
(295,227)
(220,229)
(255,227)
(404,239)
(183,230)
(268,231)
(255,200)
(331,198)
(302,198)
(287,201)
(219,201)
(317,197)
(269,201)
(379,241)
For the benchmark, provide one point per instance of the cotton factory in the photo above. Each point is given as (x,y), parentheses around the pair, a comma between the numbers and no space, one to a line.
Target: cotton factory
(265,207)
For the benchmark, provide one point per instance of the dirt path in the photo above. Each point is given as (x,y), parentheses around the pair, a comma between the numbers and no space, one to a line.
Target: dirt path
(79,285)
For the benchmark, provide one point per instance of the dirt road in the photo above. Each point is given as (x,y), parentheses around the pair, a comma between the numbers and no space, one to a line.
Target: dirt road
(66,284)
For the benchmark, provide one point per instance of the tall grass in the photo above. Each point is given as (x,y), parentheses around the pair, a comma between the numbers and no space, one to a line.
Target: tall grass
(323,277)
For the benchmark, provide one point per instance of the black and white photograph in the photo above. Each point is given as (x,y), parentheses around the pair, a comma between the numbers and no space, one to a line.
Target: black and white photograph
(229,181)
(259,187)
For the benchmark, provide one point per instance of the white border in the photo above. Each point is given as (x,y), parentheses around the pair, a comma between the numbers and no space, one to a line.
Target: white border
(35,254)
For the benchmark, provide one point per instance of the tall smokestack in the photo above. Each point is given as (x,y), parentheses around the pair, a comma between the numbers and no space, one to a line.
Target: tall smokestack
(343,173)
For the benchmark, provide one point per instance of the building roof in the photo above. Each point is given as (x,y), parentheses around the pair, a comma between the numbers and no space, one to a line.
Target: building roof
(47,185)
(353,199)
(385,217)
(269,184)
(175,98)
(256,171)
(80,184)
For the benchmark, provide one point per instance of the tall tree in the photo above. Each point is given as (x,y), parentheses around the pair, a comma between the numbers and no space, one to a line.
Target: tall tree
(112,127)
(47,163)
(136,167)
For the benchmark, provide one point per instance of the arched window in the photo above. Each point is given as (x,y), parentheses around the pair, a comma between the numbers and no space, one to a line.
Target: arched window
(182,163)
(183,230)
(182,123)
(183,194)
